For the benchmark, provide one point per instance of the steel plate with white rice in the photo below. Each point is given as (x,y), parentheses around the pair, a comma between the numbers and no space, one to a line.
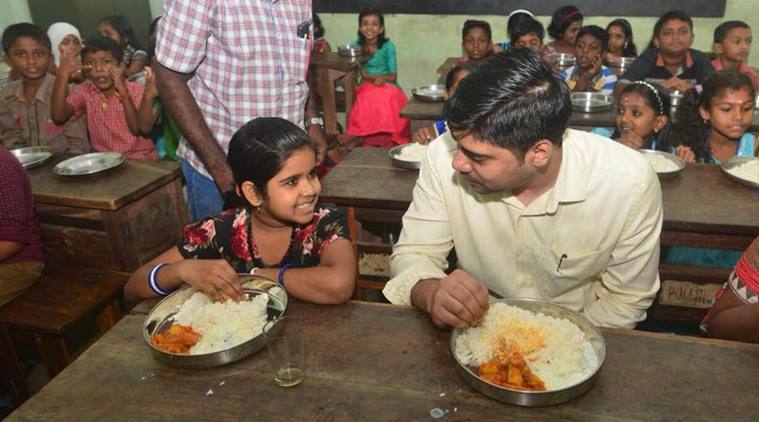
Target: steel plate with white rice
(229,331)
(664,164)
(559,346)
(742,169)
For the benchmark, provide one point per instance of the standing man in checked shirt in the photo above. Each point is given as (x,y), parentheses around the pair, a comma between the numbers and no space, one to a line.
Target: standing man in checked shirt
(221,64)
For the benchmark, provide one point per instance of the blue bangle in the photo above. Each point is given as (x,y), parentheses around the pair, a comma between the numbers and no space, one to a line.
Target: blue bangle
(281,276)
(153,282)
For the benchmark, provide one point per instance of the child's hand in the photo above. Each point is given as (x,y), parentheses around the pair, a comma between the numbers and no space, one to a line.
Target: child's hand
(151,90)
(118,74)
(214,277)
(685,153)
(631,139)
(676,84)
(70,64)
(596,65)
(424,135)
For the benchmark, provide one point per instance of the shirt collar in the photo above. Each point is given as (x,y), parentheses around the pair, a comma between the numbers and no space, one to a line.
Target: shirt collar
(42,91)
(688,60)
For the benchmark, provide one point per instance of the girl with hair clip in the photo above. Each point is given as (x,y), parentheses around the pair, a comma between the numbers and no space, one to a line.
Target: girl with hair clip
(375,117)
(620,40)
(643,119)
(117,28)
(713,123)
(565,24)
(279,231)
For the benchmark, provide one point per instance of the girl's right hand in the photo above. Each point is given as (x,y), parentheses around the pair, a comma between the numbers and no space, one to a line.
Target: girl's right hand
(214,277)
(685,153)
(424,135)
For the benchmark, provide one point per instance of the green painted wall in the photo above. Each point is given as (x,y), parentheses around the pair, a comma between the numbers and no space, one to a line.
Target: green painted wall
(424,41)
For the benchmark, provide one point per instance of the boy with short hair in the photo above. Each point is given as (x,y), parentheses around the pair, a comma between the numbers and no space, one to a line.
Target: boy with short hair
(732,43)
(476,40)
(108,99)
(589,74)
(25,104)
(528,34)
(674,62)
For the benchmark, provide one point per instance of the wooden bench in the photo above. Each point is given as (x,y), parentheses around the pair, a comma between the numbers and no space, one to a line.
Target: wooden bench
(58,304)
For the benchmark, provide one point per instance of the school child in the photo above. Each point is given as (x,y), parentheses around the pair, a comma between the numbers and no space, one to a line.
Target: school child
(320,43)
(476,40)
(375,116)
(735,312)
(732,43)
(673,62)
(25,104)
(515,19)
(714,123)
(108,99)
(621,42)
(424,135)
(117,28)
(565,24)
(279,231)
(643,116)
(21,256)
(589,74)
(65,39)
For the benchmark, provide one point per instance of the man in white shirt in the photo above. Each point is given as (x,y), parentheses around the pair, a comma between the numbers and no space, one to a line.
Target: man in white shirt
(533,209)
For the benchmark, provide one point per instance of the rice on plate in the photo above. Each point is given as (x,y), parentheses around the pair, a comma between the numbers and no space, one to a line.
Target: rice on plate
(222,325)
(554,349)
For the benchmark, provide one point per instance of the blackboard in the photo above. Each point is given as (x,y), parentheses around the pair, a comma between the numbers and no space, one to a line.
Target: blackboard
(620,8)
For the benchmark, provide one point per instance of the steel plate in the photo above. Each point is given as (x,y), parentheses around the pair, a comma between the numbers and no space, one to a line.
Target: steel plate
(591,102)
(395,151)
(88,164)
(32,156)
(429,93)
(730,164)
(675,159)
(161,317)
(536,398)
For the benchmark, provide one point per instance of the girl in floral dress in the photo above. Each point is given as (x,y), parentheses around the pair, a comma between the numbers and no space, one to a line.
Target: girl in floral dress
(279,231)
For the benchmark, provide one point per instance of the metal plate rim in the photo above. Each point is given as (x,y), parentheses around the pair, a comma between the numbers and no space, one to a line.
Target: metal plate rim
(534,398)
(677,160)
(58,169)
(733,162)
(19,153)
(418,93)
(607,99)
(408,165)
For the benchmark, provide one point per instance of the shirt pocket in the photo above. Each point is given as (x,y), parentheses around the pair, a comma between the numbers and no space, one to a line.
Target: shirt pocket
(569,270)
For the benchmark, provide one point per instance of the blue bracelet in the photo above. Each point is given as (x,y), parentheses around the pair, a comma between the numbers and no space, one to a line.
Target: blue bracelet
(153,283)
(281,276)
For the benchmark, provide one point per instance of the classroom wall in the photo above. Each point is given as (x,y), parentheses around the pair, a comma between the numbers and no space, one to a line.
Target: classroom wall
(424,41)
(14,11)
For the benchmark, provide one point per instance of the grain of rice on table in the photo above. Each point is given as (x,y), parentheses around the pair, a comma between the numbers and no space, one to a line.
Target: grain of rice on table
(555,349)
(222,324)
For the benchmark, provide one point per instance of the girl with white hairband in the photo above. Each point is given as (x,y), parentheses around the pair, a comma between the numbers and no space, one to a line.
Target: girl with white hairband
(643,120)
(515,19)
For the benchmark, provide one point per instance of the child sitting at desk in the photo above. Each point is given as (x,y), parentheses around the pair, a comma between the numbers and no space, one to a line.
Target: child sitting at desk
(589,74)
(117,28)
(108,100)
(732,43)
(25,104)
(673,62)
(375,117)
(565,23)
(621,42)
(279,231)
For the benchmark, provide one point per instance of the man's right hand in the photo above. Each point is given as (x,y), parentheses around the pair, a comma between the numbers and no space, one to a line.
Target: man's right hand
(457,300)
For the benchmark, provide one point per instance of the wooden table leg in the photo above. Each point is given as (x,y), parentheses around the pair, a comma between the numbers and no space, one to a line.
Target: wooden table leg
(350,92)
(54,352)
(13,376)
(326,91)
(109,316)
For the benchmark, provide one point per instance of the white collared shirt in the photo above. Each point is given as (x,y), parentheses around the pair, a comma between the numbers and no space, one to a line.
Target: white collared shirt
(603,215)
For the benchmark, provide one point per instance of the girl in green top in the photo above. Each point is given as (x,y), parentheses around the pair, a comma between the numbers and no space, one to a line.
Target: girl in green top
(375,117)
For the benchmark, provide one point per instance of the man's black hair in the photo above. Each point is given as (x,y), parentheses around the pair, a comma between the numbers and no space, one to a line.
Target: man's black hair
(672,15)
(18,30)
(101,43)
(513,100)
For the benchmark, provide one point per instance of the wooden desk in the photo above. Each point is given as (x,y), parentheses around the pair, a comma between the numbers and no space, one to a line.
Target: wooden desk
(376,362)
(328,67)
(117,219)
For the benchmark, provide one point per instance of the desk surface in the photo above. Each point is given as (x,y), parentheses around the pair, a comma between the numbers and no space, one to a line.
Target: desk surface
(109,190)
(367,178)
(333,60)
(376,362)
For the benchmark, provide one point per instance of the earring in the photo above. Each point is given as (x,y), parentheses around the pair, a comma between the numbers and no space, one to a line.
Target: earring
(624,46)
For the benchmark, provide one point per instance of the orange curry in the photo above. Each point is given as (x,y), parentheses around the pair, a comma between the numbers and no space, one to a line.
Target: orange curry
(178,339)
